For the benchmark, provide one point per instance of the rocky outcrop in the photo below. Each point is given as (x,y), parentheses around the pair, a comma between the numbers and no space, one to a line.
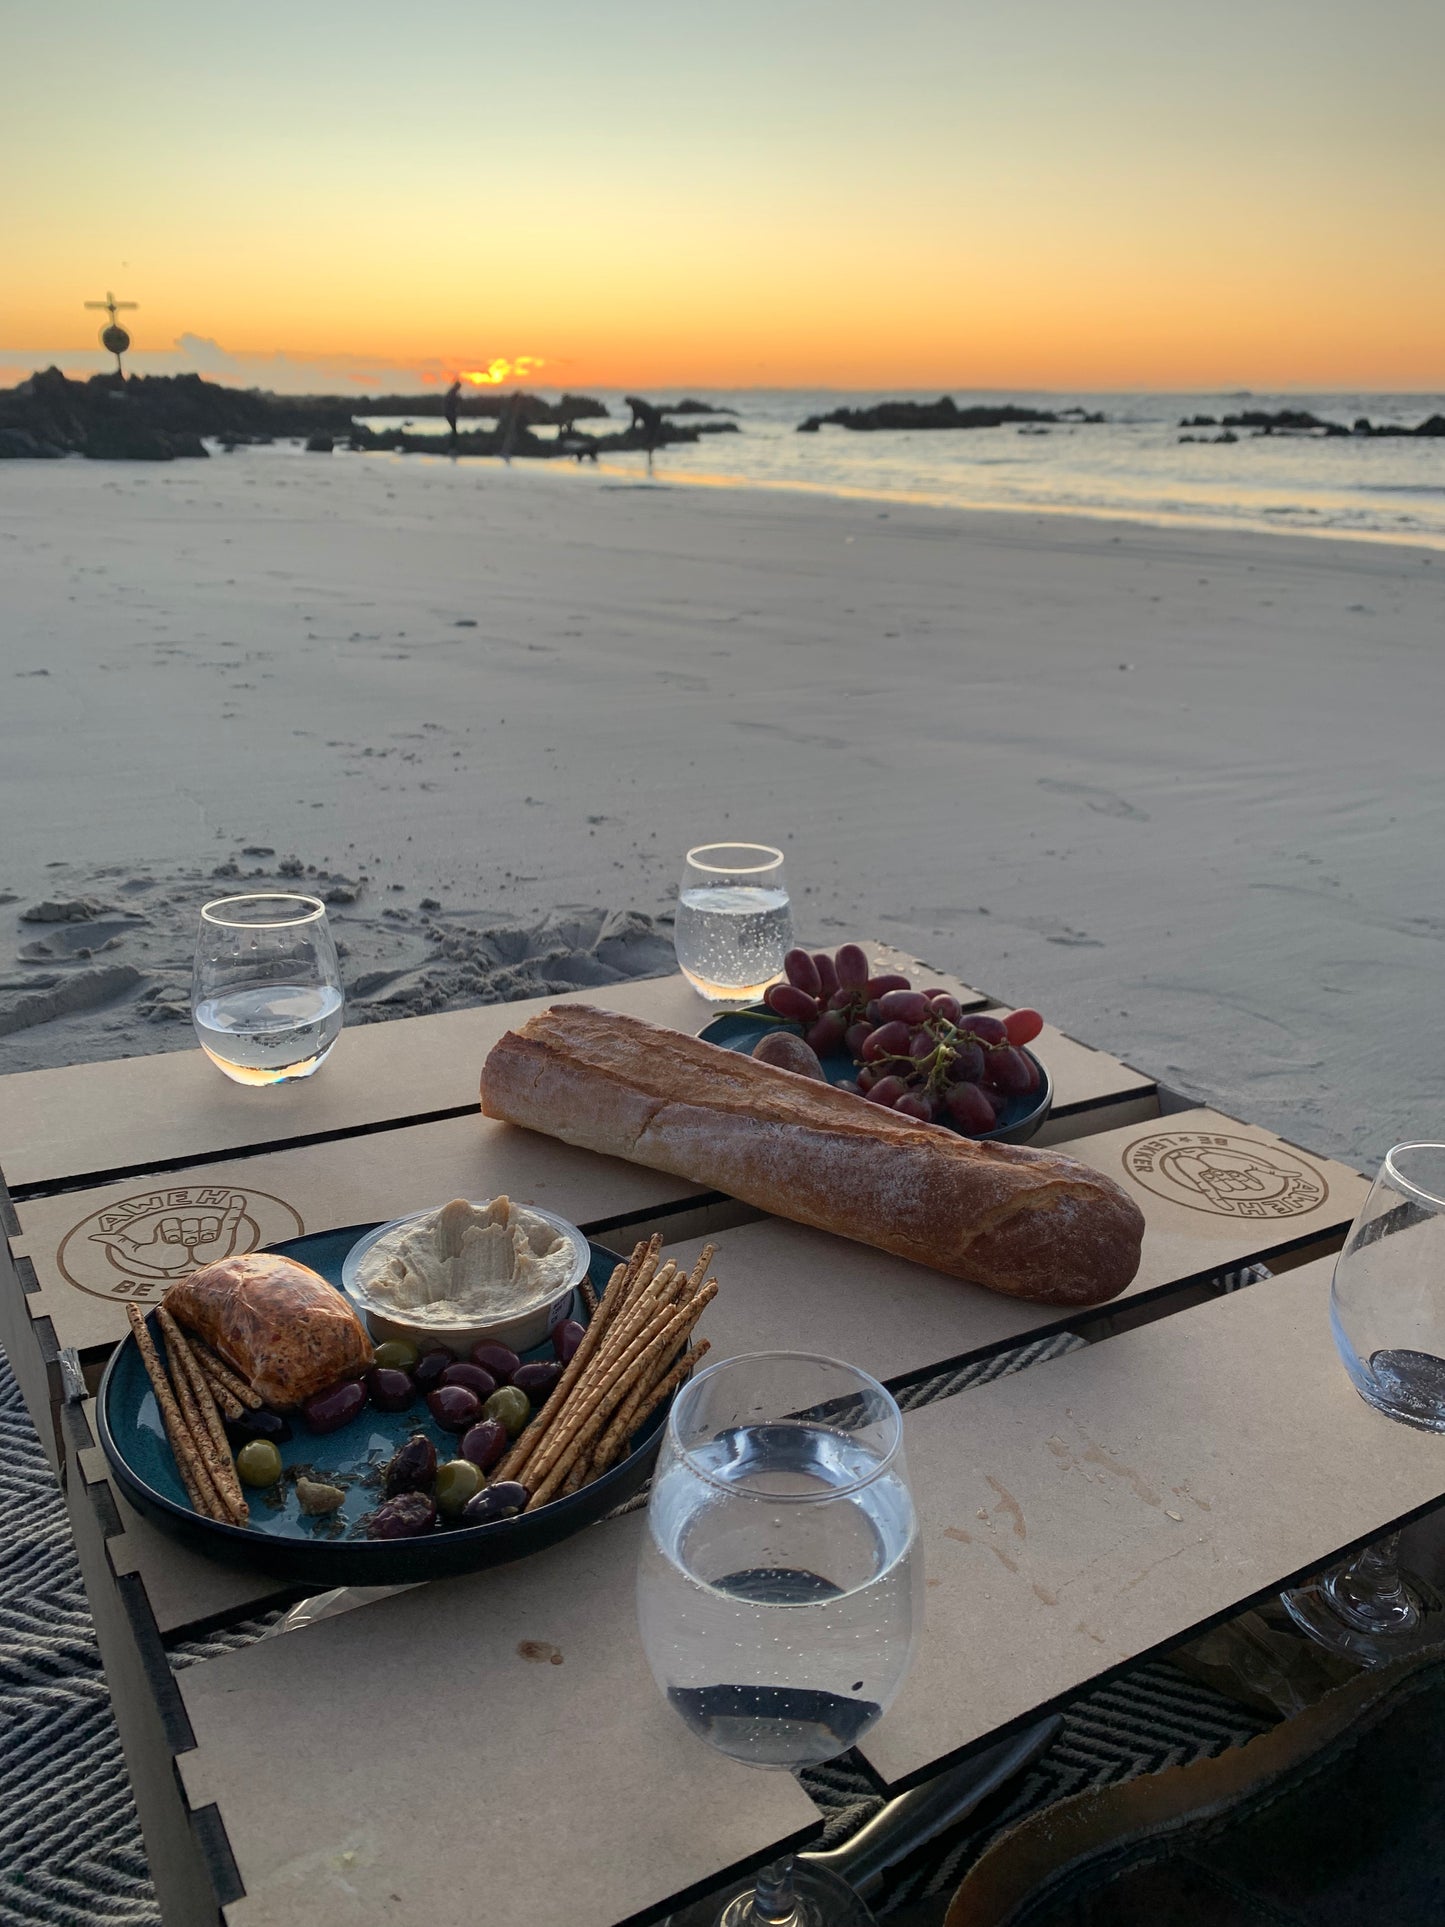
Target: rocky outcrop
(943,413)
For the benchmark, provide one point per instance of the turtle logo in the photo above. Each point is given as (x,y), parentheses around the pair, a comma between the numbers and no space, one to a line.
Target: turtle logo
(1232,1177)
(137,1246)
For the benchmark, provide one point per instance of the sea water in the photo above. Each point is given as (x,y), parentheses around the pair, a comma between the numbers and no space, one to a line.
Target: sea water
(780,1631)
(731,939)
(265,1035)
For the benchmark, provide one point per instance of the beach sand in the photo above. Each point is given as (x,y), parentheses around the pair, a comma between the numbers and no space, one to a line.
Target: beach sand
(1180,789)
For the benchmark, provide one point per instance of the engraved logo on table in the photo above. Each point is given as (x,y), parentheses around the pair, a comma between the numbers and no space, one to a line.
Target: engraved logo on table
(1233,1177)
(138,1246)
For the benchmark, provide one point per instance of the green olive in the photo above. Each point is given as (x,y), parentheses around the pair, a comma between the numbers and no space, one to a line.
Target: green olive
(457,1481)
(258,1463)
(511,1407)
(398,1355)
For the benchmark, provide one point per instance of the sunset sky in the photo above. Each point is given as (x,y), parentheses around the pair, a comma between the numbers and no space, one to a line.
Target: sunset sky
(891,194)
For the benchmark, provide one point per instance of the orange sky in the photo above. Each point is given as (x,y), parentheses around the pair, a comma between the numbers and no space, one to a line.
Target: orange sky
(797,193)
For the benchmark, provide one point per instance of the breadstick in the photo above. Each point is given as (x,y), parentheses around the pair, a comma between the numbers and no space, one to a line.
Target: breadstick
(658,1341)
(190,1377)
(231,1407)
(643,1400)
(194,1477)
(592,1338)
(589,1297)
(216,1368)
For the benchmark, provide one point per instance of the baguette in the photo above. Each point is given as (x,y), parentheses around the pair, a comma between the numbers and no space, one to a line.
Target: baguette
(1025,1223)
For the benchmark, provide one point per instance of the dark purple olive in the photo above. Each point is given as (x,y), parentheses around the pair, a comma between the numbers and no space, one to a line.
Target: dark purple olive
(412,1466)
(261,1424)
(429,1368)
(405,1517)
(502,1501)
(566,1337)
(391,1391)
(475,1377)
(486,1444)
(328,1411)
(537,1381)
(499,1360)
(453,1407)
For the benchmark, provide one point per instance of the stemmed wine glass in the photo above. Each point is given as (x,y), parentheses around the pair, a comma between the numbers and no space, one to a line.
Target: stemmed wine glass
(1387,1308)
(780,1588)
(266,996)
(734,922)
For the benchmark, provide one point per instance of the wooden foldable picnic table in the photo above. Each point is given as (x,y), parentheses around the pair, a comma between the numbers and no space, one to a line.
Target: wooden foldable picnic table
(501,1733)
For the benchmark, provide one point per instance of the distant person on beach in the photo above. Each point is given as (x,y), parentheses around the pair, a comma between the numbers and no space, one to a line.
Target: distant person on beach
(450,410)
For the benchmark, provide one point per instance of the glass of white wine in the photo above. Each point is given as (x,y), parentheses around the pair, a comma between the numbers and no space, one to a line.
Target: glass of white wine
(734,921)
(266,996)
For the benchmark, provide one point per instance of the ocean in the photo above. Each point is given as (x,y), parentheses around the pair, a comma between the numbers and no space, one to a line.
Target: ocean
(1133,464)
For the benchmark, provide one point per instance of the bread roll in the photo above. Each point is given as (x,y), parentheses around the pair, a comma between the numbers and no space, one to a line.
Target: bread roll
(277,1323)
(1025,1223)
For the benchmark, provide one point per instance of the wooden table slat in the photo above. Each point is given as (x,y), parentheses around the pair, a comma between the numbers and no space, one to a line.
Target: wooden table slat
(1104,1504)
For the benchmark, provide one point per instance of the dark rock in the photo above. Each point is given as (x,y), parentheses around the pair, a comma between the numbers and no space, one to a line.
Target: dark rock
(319,444)
(18,444)
(1199,421)
(943,413)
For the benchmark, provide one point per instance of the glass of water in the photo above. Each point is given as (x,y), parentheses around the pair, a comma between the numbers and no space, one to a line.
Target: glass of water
(266,997)
(1387,1307)
(780,1588)
(734,923)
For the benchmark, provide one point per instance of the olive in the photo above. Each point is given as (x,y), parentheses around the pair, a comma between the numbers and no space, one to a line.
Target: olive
(496,1359)
(391,1390)
(474,1377)
(403,1517)
(511,1407)
(328,1411)
(412,1466)
(457,1482)
(258,1463)
(398,1355)
(502,1501)
(429,1368)
(566,1337)
(453,1407)
(485,1444)
(260,1424)
(537,1381)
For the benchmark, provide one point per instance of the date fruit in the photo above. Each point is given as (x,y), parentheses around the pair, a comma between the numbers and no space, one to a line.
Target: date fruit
(411,1468)
(406,1517)
(260,1424)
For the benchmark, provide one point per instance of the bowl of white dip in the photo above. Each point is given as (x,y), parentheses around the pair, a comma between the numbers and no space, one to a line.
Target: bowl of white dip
(464,1273)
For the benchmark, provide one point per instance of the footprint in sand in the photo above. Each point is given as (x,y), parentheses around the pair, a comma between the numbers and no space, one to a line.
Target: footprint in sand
(1102,800)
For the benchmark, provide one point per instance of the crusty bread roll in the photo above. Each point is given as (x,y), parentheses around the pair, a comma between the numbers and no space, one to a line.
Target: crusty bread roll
(279,1324)
(1025,1223)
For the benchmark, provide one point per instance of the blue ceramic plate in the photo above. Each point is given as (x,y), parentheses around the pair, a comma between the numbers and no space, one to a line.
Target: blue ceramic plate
(739,1030)
(334,1551)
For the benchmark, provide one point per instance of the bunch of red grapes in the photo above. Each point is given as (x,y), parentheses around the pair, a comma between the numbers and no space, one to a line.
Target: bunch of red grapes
(916,1051)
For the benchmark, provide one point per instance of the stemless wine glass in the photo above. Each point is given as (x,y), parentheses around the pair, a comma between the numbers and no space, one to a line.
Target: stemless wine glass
(780,1588)
(266,997)
(734,923)
(1387,1308)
